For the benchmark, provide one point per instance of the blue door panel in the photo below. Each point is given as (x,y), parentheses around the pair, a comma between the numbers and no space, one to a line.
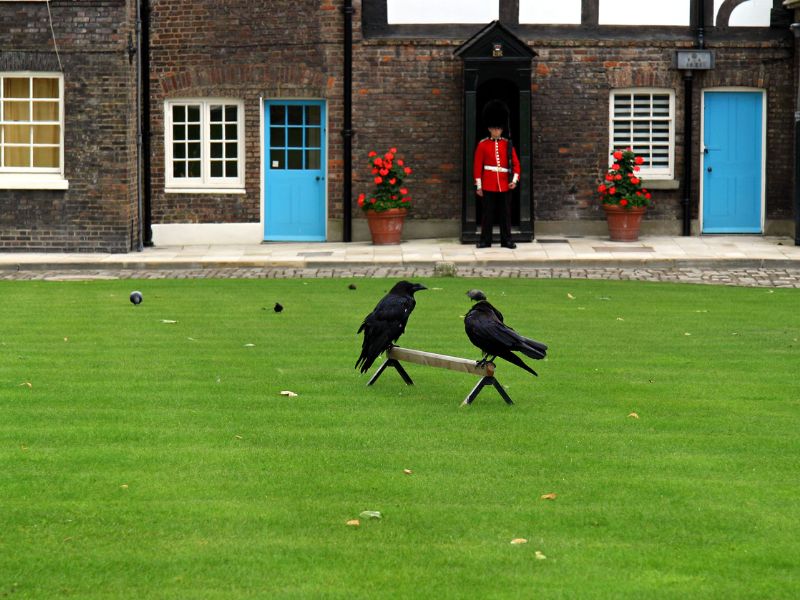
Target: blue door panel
(732,162)
(294,170)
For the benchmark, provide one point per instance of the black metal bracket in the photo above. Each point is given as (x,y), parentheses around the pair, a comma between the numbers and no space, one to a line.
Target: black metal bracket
(484,381)
(391,362)
(480,385)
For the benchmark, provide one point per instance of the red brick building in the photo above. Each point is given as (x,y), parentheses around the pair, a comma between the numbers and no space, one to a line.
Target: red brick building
(68,160)
(252,111)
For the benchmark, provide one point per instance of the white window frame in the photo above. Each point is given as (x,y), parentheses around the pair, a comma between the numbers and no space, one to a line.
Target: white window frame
(205,183)
(643,148)
(34,178)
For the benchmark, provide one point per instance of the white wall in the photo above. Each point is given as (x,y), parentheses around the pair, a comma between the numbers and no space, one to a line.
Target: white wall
(753,13)
(442,11)
(645,12)
(550,12)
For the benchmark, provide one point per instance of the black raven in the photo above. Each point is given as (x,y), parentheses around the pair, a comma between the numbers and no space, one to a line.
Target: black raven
(485,328)
(386,322)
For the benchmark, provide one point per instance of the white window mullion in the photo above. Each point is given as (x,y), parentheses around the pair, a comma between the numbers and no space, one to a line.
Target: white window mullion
(205,147)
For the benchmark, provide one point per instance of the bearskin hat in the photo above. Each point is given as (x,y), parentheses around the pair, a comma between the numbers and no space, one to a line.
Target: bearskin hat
(495,114)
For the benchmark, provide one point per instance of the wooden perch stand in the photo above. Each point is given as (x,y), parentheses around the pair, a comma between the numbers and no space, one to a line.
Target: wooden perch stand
(395,354)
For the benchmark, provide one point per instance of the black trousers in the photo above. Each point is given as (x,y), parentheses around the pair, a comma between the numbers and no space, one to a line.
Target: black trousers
(491,203)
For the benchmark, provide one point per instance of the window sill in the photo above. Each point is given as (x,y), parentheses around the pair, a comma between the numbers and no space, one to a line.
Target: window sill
(32,182)
(211,191)
(661,184)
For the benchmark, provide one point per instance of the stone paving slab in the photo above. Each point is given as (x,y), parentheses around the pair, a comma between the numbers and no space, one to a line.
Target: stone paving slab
(729,260)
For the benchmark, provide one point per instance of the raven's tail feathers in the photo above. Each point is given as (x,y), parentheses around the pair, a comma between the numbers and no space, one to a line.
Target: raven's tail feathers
(516,360)
(532,348)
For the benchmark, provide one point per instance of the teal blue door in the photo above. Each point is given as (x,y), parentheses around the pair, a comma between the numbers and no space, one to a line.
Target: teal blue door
(294,170)
(732,162)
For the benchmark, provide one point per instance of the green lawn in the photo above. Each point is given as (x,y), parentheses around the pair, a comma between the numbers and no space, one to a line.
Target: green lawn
(148,459)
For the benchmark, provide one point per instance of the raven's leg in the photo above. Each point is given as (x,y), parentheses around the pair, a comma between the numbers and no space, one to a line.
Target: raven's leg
(482,362)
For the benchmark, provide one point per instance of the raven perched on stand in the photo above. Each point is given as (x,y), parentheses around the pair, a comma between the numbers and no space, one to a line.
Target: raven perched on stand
(485,328)
(386,322)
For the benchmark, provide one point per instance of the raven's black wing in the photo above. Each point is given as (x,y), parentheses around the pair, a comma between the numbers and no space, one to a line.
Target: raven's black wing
(493,337)
(383,326)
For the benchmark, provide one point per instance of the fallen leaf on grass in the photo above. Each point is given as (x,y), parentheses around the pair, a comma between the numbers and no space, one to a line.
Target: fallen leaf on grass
(249,345)
(288,393)
(517,541)
(550,496)
(407,471)
(168,321)
(124,486)
(23,447)
(353,523)
(620,319)
(539,555)
(27,384)
(633,415)
(238,437)
(570,296)
(687,333)
(370,514)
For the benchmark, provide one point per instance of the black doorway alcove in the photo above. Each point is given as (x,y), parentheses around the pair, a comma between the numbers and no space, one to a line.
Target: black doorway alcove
(497,66)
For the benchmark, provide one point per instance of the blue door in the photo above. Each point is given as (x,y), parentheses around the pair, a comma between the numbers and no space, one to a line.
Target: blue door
(732,162)
(294,170)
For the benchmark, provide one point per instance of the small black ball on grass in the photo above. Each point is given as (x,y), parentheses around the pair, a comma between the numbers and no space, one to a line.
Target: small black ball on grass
(278,307)
(136,297)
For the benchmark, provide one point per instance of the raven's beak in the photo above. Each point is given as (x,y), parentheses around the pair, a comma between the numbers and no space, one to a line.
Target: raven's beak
(418,287)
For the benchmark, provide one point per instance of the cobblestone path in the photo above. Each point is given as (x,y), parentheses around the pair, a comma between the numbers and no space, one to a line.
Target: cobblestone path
(761,277)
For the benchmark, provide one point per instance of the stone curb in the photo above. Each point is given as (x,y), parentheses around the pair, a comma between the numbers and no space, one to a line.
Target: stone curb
(575,263)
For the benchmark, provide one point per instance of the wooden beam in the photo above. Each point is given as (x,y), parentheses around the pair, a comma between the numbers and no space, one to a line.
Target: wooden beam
(442,361)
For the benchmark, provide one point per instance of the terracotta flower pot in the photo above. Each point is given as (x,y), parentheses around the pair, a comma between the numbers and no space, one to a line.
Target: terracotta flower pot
(386,226)
(624,223)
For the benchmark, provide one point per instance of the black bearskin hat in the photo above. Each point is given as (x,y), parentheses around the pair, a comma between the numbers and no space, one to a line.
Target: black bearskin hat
(495,114)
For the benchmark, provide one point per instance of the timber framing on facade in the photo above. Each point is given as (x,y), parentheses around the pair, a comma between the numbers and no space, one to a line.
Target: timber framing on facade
(128,123)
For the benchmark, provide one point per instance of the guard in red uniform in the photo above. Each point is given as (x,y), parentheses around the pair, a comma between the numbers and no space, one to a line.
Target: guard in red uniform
(495,177)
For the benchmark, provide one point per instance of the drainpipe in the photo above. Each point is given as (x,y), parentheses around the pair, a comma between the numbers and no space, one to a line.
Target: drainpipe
(796,31)
(687,152)
(144,54)
(347,131)
(142,51)
(688,84)
(139,156)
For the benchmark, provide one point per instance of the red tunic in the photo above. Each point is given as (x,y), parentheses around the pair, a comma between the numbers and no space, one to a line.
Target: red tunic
(494,155)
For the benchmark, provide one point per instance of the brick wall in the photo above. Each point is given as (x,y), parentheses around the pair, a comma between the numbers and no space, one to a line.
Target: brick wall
(97,212)
(409,94)
(244,50)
